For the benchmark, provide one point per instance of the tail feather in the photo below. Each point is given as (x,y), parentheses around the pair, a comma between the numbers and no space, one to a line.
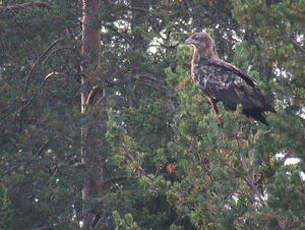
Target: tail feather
(270,108)
(256,115)
(260,117)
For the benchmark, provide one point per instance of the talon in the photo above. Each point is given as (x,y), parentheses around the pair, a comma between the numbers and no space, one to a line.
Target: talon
(218,116)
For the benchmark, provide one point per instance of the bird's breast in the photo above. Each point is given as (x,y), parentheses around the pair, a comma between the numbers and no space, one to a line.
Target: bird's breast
(194,68)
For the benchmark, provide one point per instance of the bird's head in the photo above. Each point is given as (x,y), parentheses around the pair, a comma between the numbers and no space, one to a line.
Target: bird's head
(203,43)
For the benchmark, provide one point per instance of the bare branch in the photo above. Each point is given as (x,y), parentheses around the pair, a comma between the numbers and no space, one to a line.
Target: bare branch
(41,57)
(91,93)
(122,35)
(136,8)
(297,45)
(25,5)
(54,43)
(50,75)
(115,178)
(41,228)
(101,97)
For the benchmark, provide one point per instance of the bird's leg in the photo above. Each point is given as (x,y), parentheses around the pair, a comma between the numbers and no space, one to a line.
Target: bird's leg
(213,105)
(247,131)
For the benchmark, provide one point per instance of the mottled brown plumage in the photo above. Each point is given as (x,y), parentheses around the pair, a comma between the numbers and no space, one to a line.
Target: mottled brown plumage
(221,81)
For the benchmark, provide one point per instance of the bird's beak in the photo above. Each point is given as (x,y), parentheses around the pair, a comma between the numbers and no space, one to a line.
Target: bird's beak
(189,41)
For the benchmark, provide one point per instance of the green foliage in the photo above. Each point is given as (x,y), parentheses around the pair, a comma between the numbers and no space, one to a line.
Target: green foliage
(168,162)
(6,215)
(125,223)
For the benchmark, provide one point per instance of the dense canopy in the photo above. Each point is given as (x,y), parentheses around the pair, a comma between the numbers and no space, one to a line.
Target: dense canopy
(102,127)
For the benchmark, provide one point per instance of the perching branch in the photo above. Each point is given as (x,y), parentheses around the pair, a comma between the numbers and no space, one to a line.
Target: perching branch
(25,5)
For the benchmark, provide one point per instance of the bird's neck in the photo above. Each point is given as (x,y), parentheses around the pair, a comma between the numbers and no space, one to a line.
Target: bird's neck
(195,61)
(202,53)
(196,56)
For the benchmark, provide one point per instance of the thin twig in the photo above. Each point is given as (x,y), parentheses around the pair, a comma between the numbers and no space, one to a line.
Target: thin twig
(268,131)
(101,98)
(208,172)
(128,40)
(136,8)
(297,45)
(40,58)
(114,179)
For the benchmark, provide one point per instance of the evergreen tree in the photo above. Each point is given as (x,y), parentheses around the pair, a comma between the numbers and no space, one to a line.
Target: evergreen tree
(166,162)
(226,177)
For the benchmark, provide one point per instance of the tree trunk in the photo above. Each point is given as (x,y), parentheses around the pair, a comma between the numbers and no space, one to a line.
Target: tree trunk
(91,147)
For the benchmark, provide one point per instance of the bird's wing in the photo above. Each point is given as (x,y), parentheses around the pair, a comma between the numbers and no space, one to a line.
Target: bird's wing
(231,68)
(225,82)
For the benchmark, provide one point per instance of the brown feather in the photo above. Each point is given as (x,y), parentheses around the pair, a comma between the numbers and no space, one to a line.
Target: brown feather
(224,82)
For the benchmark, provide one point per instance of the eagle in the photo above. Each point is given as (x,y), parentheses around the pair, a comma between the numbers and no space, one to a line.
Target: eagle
(222,81)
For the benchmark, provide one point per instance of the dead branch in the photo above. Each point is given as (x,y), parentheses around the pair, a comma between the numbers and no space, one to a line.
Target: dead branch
(50,75)
(90,94)
(297,45)
(114,179)
(25,5)
(101,98)
(40,58)
(132,8)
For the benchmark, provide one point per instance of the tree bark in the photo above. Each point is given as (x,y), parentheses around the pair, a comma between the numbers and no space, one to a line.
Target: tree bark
(91,145)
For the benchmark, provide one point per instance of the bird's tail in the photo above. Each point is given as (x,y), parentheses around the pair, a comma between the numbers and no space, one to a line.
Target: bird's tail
(260,117)
(269,108)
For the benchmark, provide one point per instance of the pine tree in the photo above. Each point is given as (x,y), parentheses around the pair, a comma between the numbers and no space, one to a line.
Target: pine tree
(225,177)
(165,162)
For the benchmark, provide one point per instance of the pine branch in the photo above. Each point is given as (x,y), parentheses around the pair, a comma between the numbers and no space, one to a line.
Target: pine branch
(30,161)
(248,178)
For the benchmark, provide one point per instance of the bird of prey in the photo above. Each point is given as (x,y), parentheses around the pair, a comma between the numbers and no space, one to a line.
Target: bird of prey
(221,81)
